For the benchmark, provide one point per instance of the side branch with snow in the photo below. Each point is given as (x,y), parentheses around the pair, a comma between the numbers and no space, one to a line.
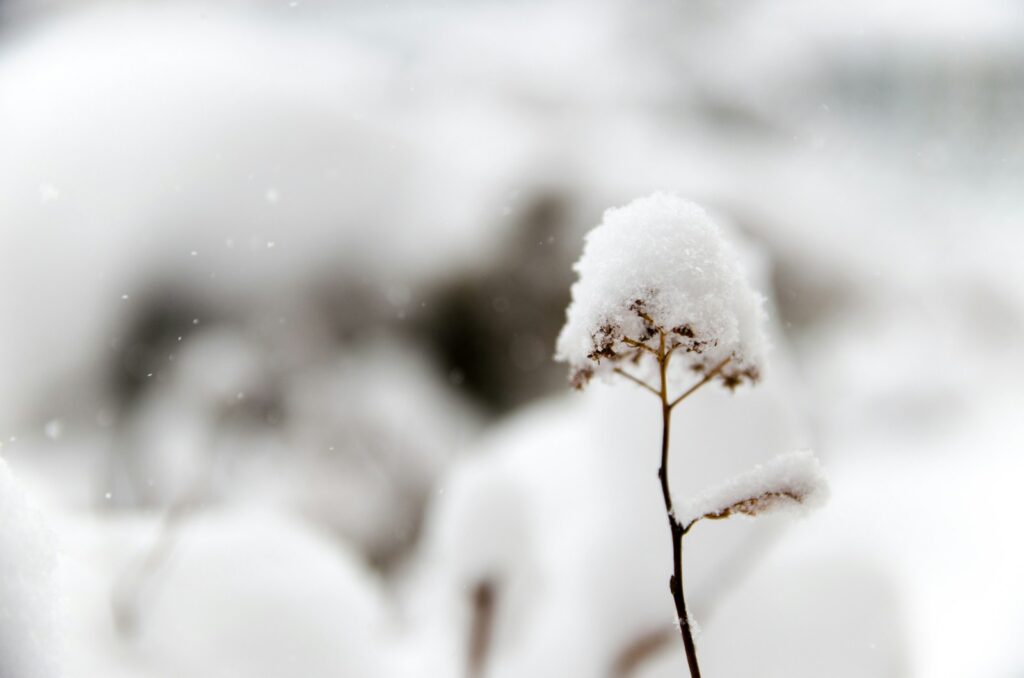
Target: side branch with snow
(793,481)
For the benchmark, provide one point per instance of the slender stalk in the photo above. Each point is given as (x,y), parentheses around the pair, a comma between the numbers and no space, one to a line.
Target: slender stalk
(638,345)
(675,582)
(484,604)
(707,377)
(636,380)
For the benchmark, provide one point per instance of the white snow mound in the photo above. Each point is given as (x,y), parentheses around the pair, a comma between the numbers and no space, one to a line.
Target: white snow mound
(27,593)
(661,263)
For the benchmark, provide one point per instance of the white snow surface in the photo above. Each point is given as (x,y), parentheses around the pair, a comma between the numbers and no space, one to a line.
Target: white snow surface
(666,252)
(27,594)
(773,485)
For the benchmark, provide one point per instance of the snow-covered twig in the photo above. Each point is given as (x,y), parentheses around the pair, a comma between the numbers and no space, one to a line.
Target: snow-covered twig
(657,278)
(790,481)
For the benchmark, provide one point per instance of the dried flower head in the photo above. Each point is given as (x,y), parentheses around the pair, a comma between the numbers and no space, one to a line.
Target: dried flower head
(660,267)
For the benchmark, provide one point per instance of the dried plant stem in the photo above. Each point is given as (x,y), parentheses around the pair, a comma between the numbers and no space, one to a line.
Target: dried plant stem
(481,631)
(707,377)
(636,380)
(639,345)
(129,591)
(675,583)
(678,530)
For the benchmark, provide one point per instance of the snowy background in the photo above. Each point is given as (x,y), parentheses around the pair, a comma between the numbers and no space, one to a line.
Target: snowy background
(279,289)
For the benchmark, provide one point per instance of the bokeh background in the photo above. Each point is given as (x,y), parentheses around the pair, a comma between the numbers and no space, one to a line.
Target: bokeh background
(279,287)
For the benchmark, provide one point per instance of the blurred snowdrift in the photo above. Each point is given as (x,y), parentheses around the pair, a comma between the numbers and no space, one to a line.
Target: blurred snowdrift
(29,600)
(248,592)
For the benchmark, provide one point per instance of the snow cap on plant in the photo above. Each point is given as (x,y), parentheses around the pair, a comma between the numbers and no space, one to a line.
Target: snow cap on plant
(791,481)
(660,266)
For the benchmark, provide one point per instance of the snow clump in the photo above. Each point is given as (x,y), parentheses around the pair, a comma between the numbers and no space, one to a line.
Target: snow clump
(660,267)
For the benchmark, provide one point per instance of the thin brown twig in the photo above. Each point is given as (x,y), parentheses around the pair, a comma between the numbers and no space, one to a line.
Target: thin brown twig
(675,582)
(637,380)
(750,506)
(639,651)
(708,377)
(638,344)
(484,603)
(130,588)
